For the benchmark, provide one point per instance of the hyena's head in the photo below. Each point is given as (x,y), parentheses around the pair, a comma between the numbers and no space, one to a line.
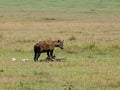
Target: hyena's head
(59,44)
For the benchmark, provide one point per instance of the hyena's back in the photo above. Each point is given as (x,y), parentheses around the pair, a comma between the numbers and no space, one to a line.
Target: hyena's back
(46,45)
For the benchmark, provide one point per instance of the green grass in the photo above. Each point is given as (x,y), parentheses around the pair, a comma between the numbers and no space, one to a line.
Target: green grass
(47,10)
(60,6)
(90,29)
(86,70)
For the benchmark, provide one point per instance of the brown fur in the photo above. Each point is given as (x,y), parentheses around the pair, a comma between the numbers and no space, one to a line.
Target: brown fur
(46,46)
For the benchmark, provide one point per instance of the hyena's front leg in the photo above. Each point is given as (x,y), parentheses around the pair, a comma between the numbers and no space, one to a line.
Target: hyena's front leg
(48,54)
(52,56)
(51,53)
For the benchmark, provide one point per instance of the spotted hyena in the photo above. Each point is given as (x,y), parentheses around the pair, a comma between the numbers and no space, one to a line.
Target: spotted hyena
(46,47)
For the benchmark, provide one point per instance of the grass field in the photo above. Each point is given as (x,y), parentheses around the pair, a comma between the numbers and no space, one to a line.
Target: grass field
(91,34)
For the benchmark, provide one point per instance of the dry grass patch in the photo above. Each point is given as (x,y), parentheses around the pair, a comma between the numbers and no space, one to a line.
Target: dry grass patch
(103,34)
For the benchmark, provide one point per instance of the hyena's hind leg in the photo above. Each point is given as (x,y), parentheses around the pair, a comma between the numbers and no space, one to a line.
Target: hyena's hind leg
(36,53)
(37,56)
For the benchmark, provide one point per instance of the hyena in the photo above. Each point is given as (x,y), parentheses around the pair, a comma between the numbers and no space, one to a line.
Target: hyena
(46,47)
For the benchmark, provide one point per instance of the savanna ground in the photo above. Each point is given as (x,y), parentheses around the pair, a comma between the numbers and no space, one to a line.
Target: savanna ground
(91,34)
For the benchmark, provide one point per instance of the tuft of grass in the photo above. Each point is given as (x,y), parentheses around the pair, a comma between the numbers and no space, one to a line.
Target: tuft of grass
(63,31)
(72,38)
(73,49)
(1,35)
(48,19)
(69,86)
(115,46)
(90,46)
(25,41)
(19,50)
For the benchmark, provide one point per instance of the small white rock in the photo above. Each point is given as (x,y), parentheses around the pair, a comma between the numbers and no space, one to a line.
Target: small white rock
(13,59)
(25,60)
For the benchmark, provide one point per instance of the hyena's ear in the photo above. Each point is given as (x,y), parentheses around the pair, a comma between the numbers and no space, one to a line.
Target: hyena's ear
(58,40)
